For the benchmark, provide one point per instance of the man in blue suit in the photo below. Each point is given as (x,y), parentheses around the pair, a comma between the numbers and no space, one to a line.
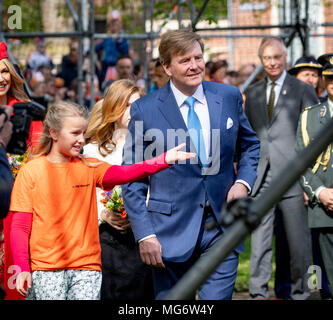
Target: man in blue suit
(208,116)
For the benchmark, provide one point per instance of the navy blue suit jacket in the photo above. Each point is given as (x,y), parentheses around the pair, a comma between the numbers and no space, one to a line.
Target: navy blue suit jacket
(177,195)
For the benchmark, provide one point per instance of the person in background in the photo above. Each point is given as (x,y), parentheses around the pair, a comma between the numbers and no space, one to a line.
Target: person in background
(97,92)
(218,71)
(39,57)
(308,70)
(112,48)
(160,77)
(151,72)
(11,92)
(6,183)
(124,275)
(69,70)
(44,73)
(138,73)
(316,181)
(273,106)
(124,67)
(208,67)
(39,89)
(233,78)
(321,91)
(245,71)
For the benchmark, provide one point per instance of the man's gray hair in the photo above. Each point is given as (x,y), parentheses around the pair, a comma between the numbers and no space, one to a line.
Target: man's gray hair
(267,41)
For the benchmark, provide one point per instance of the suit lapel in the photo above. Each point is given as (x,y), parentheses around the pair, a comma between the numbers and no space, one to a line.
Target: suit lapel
(214,103)
(215,108)
(262,101)
(169,108)
(171,112)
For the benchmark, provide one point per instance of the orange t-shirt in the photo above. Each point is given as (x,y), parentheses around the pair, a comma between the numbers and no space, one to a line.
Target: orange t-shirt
(62,199)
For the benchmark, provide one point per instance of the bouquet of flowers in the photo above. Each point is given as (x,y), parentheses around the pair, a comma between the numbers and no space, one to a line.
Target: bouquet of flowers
(16,162)
(113,202)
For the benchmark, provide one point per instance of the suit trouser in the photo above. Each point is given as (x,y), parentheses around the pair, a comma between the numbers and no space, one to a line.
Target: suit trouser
(326,246)
(282,286)
(294,215)
(219,286)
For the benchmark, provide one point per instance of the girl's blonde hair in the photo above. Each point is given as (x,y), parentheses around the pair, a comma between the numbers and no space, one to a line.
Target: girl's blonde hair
(16,89)
(54,119)
(113,107)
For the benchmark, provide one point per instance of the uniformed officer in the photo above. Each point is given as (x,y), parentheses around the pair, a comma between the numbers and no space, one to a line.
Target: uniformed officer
(317,179)
(308,70)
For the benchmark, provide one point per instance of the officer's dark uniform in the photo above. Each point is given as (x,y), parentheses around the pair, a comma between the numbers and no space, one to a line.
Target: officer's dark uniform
(320,174)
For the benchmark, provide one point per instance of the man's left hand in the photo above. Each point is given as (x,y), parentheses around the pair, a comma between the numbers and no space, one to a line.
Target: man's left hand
(238,190)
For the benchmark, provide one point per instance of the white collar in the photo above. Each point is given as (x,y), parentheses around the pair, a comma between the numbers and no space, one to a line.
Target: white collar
(280,80)
(181,97)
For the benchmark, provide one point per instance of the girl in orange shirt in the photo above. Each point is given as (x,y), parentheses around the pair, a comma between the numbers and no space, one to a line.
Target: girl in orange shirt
(54,236)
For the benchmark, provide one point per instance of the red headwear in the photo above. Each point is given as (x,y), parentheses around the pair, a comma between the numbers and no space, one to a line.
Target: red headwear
(3,50)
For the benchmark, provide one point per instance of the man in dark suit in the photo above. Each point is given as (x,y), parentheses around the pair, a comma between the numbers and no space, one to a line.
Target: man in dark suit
(273,106)
(317,179)
(209,118)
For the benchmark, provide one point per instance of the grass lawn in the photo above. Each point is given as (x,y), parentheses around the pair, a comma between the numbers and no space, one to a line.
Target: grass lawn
(242,281)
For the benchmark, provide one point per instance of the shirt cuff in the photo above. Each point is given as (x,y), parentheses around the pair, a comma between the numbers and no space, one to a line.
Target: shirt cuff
(245,184)
(318,190)
(150,236)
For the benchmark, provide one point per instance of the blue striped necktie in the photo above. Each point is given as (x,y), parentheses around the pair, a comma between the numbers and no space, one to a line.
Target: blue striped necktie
(195,131)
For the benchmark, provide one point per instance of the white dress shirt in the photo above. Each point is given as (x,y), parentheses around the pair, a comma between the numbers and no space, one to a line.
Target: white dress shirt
(277,88)
(201,109)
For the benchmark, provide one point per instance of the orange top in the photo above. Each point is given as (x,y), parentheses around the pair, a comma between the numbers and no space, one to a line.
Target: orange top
(62,199)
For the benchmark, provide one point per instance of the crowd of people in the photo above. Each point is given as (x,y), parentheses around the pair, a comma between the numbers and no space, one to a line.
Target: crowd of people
(63,241)
(114,60)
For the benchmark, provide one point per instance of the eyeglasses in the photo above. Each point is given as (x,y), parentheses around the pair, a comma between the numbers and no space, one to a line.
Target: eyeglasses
(276,58)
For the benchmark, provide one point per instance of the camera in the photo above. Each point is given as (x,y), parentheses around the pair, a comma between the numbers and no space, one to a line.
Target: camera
(24,114)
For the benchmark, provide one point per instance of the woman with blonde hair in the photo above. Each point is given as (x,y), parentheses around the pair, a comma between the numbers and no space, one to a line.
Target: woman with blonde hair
(115,116)
(11,92)
(125,277)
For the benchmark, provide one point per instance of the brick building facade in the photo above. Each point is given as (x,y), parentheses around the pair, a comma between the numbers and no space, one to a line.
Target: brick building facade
(245,49)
